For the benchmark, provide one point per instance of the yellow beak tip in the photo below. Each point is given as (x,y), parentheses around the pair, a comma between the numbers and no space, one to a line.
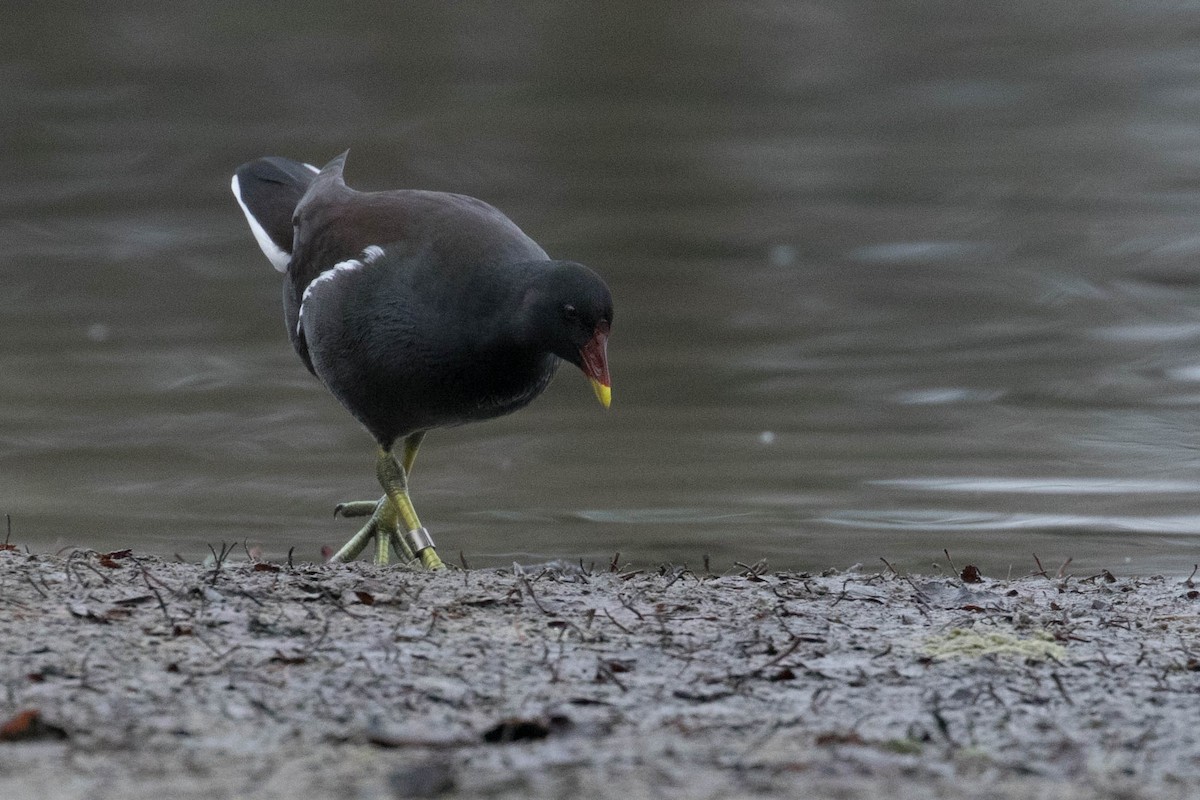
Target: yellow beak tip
(603,393)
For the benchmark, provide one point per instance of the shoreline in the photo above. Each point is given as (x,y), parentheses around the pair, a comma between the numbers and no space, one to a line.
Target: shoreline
(128,676)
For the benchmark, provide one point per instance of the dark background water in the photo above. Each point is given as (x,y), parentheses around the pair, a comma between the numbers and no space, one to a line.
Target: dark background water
(890,277)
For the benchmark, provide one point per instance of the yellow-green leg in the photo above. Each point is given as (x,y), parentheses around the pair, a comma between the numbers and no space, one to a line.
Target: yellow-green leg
(394,479)
(412,443)
(389,512)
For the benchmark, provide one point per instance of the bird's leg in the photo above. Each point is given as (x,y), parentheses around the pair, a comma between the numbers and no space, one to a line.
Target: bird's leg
(381,526)
(367,508)
(385,517)
(412,443)
(394,479)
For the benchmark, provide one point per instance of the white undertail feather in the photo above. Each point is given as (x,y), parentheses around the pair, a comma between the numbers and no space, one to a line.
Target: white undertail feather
(278,257)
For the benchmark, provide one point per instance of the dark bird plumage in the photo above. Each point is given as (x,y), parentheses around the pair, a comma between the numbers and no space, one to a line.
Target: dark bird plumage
(419,309)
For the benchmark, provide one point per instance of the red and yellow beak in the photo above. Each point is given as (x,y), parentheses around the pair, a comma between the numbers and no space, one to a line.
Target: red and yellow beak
(595,364)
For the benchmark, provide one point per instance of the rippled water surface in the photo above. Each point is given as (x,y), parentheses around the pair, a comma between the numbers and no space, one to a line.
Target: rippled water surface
(890,278)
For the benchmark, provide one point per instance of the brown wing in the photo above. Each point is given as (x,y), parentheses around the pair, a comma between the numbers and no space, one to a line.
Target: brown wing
(334,223)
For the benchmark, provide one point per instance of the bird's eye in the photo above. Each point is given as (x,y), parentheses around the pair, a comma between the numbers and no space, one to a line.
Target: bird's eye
(569,312)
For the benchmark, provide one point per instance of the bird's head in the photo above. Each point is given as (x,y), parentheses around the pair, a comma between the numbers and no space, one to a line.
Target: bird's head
(570,314)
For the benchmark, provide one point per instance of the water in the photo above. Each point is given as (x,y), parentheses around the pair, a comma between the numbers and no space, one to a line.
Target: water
(890,278)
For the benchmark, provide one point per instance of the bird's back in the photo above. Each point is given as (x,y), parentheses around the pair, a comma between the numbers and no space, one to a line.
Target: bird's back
(385,292)
(329,223)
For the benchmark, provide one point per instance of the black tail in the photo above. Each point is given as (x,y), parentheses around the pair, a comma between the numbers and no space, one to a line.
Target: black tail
(268,190)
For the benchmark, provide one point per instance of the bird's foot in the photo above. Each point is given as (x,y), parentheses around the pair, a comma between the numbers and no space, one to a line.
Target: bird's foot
(383,527)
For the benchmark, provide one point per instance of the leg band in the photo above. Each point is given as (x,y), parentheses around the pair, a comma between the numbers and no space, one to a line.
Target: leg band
(418,539)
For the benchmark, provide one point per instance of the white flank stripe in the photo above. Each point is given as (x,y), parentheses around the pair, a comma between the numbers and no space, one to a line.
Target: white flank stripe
(369,255)
(330,274)
(314,169)
(278,258)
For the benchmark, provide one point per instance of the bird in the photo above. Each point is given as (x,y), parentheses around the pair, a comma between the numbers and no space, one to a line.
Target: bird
(417,310)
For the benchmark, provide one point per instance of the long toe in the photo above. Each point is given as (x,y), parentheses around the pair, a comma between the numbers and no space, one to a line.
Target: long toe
(431,560)
(356,508)
(358,542)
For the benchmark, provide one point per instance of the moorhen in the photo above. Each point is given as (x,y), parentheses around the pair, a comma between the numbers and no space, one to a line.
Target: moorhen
(417,310)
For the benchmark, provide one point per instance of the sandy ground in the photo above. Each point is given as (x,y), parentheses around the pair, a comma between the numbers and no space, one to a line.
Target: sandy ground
(129,677)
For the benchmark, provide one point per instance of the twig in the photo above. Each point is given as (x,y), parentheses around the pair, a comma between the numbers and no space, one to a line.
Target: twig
(534,597)
(629,606)
(219,560)
(943,726)
(174,590)
(614,621)
(566,626)
(603,670)
(753,571)
(103,577)
(35,586)
(161,603)
(679,573)
(1062,570)
(953,566)
(1062,689)
(796,641)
